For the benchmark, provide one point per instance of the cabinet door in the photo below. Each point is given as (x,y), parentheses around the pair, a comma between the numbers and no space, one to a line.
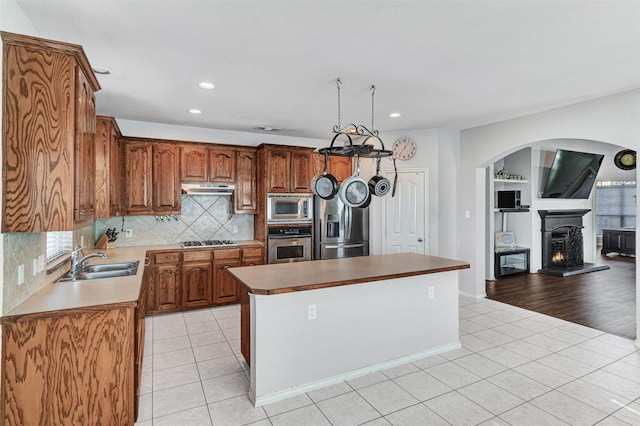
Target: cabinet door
(629,242)
(167,287)
(108,181)
(116,166)
(222,165)
(278,171)
(246,194)
(194,161)
(138,159)
(166,180)
(340,167)
(196,284)
(103,158)
(224,285)
(84,151)
(301,171)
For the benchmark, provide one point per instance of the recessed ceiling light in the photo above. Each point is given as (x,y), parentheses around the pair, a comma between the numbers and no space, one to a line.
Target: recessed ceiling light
(206,85)
(268,128)
(101,70)
(195,111)
(395,115)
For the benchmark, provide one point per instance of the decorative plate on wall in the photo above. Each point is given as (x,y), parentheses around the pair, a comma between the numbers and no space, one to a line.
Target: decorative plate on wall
(625,159)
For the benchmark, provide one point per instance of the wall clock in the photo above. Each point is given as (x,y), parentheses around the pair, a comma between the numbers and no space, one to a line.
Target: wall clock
(404,148)
(625,159)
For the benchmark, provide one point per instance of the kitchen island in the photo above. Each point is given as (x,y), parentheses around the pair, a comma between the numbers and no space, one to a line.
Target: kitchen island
(306,325)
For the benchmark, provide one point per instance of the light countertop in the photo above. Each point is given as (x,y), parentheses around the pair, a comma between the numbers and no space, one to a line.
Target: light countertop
(58,296)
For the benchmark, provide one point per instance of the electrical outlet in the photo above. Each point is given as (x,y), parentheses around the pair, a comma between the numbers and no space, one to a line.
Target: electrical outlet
(21,274)
(432,292)
(35,266)
(467,214)
(81,240)
(235,229)
(312,312)
(128,233)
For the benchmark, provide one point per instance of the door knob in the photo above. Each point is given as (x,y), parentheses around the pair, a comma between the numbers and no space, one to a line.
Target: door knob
(419,239)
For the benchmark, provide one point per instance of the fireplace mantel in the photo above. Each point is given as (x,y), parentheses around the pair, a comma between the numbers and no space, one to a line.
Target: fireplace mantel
(562,213)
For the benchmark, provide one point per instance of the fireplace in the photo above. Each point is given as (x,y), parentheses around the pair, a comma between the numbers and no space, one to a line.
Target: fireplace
(562,244)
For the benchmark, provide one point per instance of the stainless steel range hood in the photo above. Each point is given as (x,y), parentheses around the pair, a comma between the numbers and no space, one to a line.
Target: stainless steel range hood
(207,189)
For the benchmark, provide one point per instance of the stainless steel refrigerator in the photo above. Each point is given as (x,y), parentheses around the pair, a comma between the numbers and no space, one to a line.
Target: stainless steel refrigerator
(340,230)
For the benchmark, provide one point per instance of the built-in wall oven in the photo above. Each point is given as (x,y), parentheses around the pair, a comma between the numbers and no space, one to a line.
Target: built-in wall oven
(288,244)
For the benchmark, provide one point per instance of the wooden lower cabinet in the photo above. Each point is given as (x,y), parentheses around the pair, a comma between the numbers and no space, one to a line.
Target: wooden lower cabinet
(192,279)
(71,368)
(224,285)
(166,280)
(196,279)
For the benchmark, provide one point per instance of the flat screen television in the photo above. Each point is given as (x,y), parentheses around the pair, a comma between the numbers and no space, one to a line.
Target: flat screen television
(572,174)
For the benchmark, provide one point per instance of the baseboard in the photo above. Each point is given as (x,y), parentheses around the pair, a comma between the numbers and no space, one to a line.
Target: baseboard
(472,296)
(298,390)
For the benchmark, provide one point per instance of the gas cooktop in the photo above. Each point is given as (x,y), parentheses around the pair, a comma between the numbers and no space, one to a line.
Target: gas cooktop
(208,243)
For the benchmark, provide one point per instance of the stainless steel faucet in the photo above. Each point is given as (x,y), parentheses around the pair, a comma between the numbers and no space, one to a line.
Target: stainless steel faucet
(78,265)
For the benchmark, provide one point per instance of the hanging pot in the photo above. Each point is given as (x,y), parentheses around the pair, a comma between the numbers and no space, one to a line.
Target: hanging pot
(367,202)
(354,190)
(379,185)
(326,185)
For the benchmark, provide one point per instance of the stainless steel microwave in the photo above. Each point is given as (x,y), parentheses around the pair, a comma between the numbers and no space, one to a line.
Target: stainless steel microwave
(289,208)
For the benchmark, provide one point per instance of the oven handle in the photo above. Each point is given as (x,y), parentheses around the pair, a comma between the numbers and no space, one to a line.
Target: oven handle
(345,246)
(291,237)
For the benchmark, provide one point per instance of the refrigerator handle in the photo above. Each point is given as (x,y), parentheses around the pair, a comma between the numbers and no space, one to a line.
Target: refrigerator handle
(348,220)
(344,246)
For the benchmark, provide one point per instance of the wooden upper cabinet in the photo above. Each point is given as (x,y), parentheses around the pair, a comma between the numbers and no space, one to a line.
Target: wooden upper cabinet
(246,193)
(152,178)
(138,169)
(287,169)
(222,165)
(194,162)
(340,167)
(166,179)
(200,164)
(278,170)
(48,133)
(301,171)
(84,176)
(109,167)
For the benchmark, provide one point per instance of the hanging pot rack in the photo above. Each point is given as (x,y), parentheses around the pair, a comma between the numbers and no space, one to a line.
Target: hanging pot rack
(363,149)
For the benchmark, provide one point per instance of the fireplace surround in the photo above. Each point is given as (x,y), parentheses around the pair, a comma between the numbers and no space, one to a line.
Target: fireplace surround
(562,243)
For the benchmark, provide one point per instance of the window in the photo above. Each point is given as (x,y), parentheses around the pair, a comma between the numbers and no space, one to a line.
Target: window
(615,204)
(58,243)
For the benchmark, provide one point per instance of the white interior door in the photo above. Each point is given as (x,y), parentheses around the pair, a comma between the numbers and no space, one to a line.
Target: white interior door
(405,216)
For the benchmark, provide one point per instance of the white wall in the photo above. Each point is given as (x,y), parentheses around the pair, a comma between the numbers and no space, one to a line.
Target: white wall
(612,119)
(437,152)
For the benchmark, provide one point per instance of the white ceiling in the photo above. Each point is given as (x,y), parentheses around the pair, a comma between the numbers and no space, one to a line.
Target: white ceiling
(442,64)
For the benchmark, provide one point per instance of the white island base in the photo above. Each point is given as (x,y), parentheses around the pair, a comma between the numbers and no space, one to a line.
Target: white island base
(358,329)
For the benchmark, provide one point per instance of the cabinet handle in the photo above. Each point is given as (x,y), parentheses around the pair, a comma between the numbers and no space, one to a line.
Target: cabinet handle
(420,239)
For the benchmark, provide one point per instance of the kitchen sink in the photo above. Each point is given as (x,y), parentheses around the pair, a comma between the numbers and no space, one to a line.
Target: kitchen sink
(103,270)
(101,267)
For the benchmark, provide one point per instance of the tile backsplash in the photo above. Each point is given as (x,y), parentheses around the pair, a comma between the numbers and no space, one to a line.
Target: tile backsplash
(22,248)
(203,217)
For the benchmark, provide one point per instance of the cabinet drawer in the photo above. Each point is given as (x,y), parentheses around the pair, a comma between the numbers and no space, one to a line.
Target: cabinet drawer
(195,256)
(226,254)
(252,252)
(167,258)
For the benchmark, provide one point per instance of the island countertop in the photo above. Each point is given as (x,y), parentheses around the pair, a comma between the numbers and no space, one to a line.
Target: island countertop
(297,276)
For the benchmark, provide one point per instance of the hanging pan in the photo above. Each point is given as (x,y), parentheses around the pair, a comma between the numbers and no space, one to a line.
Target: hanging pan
(354,191)
(379,185)
(326,185)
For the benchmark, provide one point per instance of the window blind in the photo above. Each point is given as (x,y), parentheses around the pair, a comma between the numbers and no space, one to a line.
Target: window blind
(58,243)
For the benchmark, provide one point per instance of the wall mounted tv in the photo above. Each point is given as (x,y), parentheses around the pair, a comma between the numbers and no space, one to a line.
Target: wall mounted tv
(572,174)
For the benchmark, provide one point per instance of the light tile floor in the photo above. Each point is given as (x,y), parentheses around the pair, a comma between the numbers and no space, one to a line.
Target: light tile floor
(516,367)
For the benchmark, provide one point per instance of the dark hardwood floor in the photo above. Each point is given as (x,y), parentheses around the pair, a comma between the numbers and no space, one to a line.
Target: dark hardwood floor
(604,300)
